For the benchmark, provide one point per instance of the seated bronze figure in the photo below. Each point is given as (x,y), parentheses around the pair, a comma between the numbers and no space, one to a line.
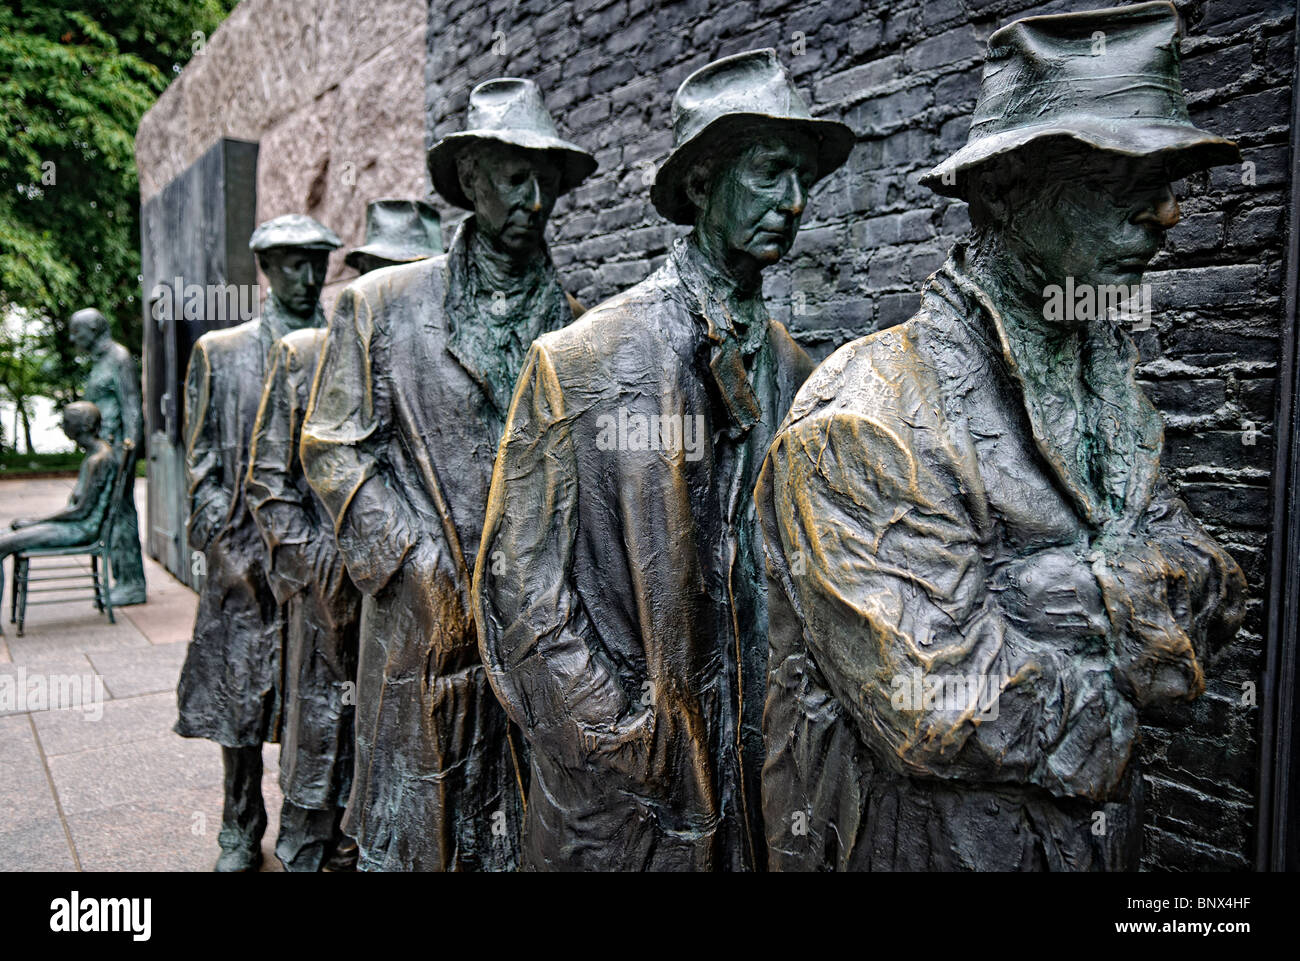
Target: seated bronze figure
(80,521)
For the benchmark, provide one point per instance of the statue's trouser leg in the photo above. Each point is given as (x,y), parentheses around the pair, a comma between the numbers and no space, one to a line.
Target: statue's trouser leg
(128,565)
(307,837)
(44,534)
(243,818)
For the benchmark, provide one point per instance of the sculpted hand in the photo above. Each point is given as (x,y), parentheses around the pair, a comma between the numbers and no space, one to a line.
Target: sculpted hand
(1052,594)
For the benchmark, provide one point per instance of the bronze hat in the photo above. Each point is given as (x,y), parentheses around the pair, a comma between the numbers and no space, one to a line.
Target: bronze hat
(400,231)
(506,110)
(728,99)
(1107,79)
(293,230)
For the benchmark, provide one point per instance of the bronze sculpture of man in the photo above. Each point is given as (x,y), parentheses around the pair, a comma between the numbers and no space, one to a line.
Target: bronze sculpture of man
(619,597)
(229,690)
(114,387)
(404,422)
(322,607)
(978,576)
(79,521)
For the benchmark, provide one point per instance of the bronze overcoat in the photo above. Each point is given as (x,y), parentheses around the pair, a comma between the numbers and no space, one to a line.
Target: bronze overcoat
(398,444)
(619,614)
(229,686)
(914,470)
(322,606)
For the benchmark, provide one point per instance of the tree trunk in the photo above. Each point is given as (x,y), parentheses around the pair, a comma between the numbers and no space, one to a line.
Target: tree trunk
(27,426)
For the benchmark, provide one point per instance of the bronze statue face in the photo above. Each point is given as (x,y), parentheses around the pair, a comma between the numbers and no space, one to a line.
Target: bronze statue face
(85,327)
(296,276)
(749,211)
(1096,217)
(513,191)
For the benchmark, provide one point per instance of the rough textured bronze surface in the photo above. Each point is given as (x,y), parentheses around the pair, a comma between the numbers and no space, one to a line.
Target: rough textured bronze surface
(979,576)
(321,606)
(405,417)
(230,688)
(114,387)
(618,592)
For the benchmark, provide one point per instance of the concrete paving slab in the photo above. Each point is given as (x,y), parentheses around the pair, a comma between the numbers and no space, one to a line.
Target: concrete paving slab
(37,845)
(47,683)
(141,670)
(25,795)
(121,722)
(131,794)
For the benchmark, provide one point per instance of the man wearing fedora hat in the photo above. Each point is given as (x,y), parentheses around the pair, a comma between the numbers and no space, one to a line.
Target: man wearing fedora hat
(322,607)
(229,689)
(978,576)
(625,628)
(397,232)
(404,421)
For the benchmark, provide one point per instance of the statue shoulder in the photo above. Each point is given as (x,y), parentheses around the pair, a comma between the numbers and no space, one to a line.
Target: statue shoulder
(379,286)
(867,375)
(640,319)
(229,340)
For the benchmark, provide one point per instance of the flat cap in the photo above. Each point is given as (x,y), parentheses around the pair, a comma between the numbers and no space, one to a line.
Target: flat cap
(293,230)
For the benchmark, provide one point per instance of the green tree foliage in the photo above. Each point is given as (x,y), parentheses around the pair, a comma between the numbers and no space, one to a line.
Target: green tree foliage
(26,367)
(75,78)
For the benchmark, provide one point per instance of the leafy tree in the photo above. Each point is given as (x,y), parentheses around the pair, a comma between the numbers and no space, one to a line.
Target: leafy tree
(77,78)
(25,369)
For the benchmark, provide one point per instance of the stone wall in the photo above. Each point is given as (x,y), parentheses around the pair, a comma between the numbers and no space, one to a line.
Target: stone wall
(332,90)
(904,74)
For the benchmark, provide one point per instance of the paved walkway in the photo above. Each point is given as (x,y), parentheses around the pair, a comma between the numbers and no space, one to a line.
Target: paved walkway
(105,786)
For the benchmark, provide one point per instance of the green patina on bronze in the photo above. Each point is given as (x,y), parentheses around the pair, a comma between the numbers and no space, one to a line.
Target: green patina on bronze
(405,419)
(230,686)
(114,387)
(618,591)
(975,495)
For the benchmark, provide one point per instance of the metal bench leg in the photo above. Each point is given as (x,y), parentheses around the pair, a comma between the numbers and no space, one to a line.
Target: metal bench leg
(21,594)
(94,574)
(13,595)
(108,596)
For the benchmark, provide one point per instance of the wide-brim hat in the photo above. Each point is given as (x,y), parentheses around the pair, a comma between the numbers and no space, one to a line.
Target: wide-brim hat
(1105,79)
(506,110)
(728,100)
(293,230)
(399,231)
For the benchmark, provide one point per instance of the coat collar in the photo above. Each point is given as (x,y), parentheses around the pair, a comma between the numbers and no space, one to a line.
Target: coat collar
(712,298)
(276,322)
(490,348)
(1131,432)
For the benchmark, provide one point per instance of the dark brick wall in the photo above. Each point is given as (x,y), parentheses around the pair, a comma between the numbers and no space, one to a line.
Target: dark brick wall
(904,75)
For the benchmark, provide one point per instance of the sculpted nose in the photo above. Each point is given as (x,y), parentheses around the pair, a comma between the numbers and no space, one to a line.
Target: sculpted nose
(1162,210)
(535,194)
(796,198)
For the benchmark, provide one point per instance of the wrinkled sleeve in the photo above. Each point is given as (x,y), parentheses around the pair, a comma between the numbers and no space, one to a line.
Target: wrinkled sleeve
(276,501)
(345,436)
(1172,594)
(209,498)
(878,553)
(535,635)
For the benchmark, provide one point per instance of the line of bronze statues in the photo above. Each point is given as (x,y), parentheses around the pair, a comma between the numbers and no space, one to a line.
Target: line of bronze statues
(519,586)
